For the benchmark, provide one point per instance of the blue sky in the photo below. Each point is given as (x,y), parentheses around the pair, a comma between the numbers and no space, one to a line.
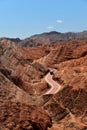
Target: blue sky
(23,18)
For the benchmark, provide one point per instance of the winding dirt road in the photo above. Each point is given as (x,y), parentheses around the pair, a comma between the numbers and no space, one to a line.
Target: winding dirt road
(55,87)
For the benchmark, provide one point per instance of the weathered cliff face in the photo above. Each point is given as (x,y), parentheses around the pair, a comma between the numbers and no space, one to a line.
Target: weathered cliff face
(17,116)
(63,51)
(17,109)
(10,92)
(15,113)
(18,67)
(17,75)
(69,106)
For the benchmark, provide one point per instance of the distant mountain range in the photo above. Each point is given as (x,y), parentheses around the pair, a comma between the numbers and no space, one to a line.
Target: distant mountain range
(48,38)
(16,40)
(51,37)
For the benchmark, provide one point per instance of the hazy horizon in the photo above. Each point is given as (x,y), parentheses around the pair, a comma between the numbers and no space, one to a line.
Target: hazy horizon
(41,33)
(24,18)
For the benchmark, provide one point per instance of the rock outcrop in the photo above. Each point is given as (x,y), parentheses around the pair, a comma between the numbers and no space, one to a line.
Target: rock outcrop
(17,116)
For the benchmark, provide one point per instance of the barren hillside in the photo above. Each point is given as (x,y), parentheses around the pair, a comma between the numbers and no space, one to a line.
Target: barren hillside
(22,86)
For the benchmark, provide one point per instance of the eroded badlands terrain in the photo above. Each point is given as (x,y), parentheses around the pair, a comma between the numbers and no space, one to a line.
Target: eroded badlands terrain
(23,103)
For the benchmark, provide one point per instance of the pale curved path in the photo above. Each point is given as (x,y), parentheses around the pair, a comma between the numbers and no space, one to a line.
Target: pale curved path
(55,87)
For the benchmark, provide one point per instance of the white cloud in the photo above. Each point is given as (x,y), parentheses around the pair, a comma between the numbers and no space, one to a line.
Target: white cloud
(50,27)
(59,21)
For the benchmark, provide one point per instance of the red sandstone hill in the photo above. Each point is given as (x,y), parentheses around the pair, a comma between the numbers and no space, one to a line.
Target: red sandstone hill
(69,106)
(17,76)
(63,51)
(22,85)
